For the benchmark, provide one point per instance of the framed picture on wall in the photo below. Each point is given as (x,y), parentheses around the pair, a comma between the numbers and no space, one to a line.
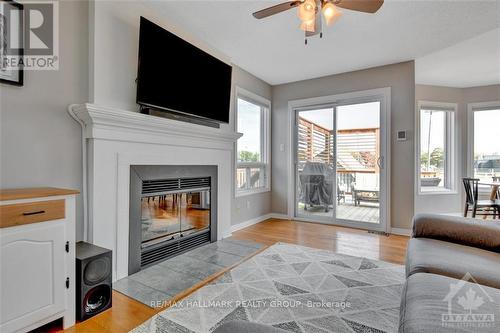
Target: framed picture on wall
(11,42)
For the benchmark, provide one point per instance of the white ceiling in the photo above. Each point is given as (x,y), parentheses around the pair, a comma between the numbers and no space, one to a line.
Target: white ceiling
(273,49)
(471,63)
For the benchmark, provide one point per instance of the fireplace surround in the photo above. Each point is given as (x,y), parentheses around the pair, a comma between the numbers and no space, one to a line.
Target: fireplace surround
(173,209)
(114,140)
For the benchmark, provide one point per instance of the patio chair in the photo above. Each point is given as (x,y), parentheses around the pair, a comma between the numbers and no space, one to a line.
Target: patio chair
(340,194)
(496,179)
(485,207)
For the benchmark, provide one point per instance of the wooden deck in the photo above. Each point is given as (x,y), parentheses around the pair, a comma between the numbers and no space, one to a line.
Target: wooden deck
(366,212)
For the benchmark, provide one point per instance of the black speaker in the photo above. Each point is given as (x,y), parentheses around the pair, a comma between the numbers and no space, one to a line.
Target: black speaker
(93,280)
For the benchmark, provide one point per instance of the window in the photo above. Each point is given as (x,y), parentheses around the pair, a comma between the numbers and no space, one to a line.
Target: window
(484,119)
(252,153)
(435,153)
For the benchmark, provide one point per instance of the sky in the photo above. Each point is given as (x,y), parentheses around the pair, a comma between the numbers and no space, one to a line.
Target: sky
(365,115)
(436,123)
(249,124)
(487,132)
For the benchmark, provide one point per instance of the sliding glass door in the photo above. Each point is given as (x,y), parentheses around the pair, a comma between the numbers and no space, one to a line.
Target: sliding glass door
(315,169)
(340,175)
(358,163)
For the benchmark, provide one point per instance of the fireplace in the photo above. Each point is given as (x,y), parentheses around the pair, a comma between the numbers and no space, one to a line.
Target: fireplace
(119,141)
(172,210)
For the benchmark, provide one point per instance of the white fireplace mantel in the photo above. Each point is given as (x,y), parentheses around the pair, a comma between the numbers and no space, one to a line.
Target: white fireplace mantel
(114,140)
(107,123)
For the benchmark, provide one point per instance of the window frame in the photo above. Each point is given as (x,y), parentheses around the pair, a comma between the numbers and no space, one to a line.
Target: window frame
(265,133)
(471,108)
(451,162)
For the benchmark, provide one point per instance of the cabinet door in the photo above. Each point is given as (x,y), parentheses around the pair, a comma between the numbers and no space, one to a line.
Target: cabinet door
(32,274)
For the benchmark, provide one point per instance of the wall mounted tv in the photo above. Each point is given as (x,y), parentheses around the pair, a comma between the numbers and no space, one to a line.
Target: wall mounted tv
(175,76)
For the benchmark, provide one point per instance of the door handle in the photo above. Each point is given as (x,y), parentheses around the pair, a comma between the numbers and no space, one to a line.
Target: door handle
(34,213)
(380,162)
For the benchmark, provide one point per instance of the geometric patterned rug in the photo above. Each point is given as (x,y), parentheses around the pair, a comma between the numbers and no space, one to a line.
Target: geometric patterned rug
(295,288)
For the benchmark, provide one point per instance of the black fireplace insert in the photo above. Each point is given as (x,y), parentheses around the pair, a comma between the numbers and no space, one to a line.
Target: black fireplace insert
(172,210)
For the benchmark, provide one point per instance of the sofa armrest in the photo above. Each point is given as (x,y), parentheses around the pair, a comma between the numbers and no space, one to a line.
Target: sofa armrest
(469,232)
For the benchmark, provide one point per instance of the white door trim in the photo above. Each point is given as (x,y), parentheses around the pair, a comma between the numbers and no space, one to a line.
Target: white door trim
(384,95)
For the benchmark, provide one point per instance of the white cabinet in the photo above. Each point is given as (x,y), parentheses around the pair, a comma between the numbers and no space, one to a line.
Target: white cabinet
(37,238)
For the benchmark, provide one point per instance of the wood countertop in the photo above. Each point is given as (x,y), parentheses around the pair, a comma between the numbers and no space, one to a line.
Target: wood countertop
(36,192)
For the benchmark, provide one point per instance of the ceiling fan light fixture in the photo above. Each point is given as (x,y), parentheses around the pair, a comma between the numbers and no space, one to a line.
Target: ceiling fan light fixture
(307,10)
(330,12)
(308,25)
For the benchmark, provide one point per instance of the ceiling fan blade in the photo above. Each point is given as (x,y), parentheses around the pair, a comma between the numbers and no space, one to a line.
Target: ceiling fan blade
(367,6)
(276,9)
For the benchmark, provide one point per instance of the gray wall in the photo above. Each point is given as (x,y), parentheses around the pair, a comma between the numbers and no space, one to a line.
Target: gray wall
(453,203)
(401,78)
(40,143)
(482,94)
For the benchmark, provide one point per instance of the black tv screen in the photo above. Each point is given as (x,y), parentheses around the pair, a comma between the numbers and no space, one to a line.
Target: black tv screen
(174,75)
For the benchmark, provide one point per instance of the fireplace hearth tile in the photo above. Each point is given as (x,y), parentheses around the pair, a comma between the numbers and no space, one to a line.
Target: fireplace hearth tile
(243,242)
(202,253)
(191,266)
(224,259)
(141,292)
(168,278)
(232,248)
(165,280)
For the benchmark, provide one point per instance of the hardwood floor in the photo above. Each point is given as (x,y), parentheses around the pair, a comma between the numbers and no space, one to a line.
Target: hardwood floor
(127,313)
(350,241)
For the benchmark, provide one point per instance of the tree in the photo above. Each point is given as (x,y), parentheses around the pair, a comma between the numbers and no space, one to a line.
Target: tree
(248,156)
(424,160)
(437,158)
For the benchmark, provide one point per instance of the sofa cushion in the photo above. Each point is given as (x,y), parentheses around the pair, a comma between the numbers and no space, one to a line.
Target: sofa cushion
(460,230)
(239,326)
(428,300)
(453,260)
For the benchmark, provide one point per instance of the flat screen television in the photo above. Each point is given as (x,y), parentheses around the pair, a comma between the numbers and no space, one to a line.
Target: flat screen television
(176,76)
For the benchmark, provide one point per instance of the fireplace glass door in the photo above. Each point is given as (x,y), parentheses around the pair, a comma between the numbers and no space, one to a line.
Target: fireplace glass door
(171,216)
(194,212)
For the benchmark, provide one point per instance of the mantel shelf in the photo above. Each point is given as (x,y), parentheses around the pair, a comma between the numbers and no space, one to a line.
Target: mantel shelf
(96,116)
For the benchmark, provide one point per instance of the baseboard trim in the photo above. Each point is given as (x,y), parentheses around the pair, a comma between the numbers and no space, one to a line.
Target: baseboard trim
(401,231)
(278,216)
(253,221)
(250,222)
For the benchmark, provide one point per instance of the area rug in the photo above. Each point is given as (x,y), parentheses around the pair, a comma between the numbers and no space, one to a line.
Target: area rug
(295,288)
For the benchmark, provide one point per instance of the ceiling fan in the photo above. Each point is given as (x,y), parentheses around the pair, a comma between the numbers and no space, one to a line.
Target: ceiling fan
(309,12)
